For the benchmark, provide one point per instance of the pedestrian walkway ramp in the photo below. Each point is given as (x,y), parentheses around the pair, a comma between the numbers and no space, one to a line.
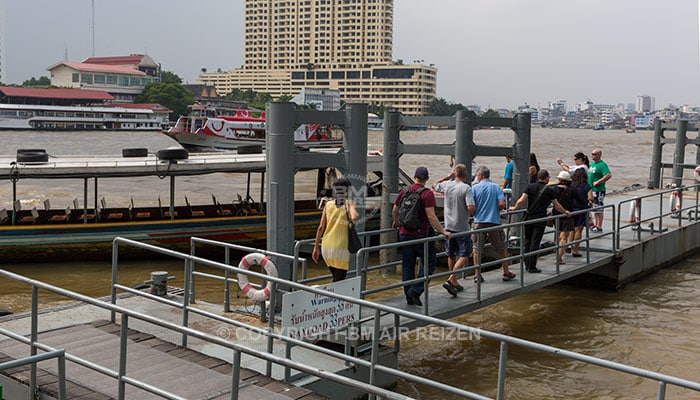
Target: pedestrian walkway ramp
(179,370)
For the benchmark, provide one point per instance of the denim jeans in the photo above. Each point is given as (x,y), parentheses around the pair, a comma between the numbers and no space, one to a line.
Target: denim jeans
(409,254)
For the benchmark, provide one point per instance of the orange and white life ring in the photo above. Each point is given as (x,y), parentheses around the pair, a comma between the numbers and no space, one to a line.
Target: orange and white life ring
(635,210)
(248,289)
(243,113)
(696,173)
(675,201)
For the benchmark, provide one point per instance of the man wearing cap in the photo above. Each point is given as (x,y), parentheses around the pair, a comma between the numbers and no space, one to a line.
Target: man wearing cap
(410,253)
(539,196)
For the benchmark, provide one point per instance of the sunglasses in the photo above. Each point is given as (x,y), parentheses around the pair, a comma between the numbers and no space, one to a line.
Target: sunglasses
(595,154)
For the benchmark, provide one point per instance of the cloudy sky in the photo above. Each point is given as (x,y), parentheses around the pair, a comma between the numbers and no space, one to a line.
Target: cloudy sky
(497,53)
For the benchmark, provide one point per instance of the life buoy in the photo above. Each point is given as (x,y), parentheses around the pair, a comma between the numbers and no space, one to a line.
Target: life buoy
(675,201)
(635,210)
(696,173)
(248,289)
(243,113)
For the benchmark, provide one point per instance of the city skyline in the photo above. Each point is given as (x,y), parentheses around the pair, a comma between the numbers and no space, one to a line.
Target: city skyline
(498,54)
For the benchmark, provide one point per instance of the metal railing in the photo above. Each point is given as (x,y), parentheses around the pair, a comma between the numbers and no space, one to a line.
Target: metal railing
(59,355)
(382,317)
(638,204)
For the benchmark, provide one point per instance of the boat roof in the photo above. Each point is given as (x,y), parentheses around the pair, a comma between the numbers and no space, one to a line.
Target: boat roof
(105,109)
(56,93)
(60,167)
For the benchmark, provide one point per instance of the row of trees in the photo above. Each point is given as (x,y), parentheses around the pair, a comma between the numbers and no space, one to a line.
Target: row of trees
(170,93)
(441,107)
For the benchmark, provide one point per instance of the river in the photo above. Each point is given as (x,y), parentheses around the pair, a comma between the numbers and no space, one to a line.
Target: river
(649,324)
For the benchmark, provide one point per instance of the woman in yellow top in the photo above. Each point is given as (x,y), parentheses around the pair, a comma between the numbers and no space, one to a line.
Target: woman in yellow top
(334,229)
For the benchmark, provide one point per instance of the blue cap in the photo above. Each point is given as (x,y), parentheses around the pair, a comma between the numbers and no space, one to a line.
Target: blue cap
(421,173)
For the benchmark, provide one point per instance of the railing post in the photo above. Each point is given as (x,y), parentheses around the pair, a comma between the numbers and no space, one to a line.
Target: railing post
(122,356)
(375,346)
(185,299)
(661,394)
(235,374)
(502,358)
(34,336)
(227,284)
(61,376)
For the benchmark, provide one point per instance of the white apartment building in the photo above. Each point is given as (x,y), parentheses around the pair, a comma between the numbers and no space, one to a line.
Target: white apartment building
(326,44)
(645,103)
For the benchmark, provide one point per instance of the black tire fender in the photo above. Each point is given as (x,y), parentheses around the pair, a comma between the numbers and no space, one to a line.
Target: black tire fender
(249,149)
(135,152)
(173,154)
(32,156)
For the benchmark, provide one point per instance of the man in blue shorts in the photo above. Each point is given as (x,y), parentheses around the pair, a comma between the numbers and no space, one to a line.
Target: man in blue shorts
(489,200)
(459,203)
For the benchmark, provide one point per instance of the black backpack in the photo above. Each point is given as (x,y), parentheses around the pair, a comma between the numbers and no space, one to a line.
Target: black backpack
(409,210)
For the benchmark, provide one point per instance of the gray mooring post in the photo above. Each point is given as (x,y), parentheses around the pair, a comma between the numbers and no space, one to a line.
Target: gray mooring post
(679,154)
(464,140)
(521,154)
(355,143)
(390,183)
(655,169)
(279,162)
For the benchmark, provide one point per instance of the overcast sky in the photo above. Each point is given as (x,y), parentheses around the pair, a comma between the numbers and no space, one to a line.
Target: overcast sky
(497,53)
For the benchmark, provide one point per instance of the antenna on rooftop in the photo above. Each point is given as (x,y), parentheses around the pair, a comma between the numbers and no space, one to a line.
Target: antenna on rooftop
(92,27)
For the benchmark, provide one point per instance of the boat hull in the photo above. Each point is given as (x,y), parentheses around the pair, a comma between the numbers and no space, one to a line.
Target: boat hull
(93,241)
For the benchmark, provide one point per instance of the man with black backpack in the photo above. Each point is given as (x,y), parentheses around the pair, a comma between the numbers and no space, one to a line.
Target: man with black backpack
(414,213)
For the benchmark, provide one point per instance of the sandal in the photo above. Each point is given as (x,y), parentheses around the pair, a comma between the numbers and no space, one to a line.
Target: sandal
(561,262)
(457,286)
(478,280)
(508,276)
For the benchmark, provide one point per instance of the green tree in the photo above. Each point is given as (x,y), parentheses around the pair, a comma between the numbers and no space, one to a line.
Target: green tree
(491,113)
(285,97)
(171,95)
(170,77)
(33,82)
(440,107)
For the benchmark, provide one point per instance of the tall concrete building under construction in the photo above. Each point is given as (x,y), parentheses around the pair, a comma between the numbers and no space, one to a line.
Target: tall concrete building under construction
(341,45)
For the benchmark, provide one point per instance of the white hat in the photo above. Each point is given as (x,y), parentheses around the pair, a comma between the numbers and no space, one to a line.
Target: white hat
(564,176)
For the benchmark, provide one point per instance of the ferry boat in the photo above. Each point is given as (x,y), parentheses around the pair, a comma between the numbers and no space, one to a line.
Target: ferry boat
(202,129)
(40,231)
(374,123)
(48,117)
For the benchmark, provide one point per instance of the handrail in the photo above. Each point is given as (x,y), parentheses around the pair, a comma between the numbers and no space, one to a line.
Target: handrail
(60,359)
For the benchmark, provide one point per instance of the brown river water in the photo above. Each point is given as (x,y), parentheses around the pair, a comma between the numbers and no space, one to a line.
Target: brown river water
(650,324)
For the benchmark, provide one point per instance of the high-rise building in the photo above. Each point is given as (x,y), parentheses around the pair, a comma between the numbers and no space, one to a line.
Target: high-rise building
(2,40)
(327,44)
(645,103)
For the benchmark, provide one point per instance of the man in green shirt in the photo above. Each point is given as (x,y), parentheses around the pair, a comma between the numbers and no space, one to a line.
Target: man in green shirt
(598,174)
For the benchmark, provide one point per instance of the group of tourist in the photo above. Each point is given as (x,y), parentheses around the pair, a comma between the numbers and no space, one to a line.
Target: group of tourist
(579,187)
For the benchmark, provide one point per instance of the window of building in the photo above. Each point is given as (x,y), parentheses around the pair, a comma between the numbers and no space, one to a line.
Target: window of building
(111,79)
(123,81)
(86,78)
(100,79)
(76,77)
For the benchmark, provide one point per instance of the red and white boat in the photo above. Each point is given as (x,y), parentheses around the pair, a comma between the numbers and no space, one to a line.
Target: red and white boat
(242,128)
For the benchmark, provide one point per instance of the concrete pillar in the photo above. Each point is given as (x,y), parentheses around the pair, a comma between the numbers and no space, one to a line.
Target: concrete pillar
(679,154)
(280,183)
(655,169)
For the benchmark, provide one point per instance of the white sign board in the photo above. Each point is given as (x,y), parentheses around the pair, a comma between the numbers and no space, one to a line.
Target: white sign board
(307,315)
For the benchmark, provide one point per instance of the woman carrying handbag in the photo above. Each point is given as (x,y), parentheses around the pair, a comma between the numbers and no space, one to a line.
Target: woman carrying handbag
(337,216)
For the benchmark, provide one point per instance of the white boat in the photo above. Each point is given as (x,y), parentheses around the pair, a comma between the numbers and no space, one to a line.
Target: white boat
(47,117)
(374,123)
(242,128)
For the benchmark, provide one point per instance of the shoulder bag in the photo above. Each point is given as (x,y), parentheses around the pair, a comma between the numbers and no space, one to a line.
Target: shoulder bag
(354,242)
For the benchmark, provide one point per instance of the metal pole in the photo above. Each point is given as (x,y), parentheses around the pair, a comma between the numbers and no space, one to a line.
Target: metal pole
(679,154)
(464,140)
(355,144)
(521,156)
(280,149)
(34,337)
(655,169)
(172,197)
(85,200)
(390,183)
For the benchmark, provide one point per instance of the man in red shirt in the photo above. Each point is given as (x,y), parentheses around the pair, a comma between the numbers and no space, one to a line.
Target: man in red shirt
(410,252)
